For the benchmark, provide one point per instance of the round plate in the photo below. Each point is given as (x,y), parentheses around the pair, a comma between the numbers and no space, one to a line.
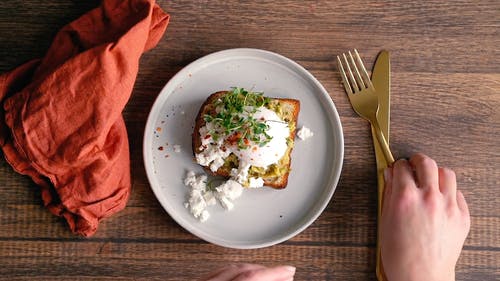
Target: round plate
(261,217)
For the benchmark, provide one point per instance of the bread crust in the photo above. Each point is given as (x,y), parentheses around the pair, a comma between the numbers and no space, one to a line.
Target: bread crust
(207,106)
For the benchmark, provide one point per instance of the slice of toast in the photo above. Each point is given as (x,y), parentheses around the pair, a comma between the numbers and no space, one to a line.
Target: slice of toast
(276,176)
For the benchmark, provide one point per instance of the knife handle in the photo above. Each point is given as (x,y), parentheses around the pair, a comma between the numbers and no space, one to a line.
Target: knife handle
(380,272)
(381,166)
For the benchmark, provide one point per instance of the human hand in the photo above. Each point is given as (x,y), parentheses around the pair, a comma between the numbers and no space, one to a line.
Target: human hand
(251,272)
(424,223)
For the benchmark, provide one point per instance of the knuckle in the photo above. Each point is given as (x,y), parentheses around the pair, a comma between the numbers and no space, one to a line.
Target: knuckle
(433,200)
(249,275)
(452,210)
(407,198)
(431,186)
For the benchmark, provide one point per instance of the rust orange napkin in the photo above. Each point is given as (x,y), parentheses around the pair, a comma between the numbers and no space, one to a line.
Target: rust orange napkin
(61,116)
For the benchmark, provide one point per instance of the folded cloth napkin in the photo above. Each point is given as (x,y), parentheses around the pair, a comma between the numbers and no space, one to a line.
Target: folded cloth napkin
(60,120)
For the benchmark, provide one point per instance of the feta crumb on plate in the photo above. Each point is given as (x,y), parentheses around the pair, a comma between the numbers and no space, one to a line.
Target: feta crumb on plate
(177,148)
(304,133)
(202,196)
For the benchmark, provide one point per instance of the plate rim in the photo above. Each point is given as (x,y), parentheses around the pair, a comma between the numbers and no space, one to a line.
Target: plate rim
(332,183)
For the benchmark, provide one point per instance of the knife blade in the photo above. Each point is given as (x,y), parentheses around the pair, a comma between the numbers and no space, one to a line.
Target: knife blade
(381,80)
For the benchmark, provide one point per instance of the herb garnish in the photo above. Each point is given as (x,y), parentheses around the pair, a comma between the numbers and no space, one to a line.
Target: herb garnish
(235,118)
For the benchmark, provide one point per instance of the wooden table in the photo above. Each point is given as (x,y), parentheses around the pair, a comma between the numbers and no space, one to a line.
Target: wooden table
(445,103)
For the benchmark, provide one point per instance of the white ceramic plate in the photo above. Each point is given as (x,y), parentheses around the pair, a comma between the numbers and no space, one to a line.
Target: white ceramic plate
(261,217)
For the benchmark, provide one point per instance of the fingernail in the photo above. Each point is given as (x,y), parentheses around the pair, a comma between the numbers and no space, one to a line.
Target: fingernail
(290,268)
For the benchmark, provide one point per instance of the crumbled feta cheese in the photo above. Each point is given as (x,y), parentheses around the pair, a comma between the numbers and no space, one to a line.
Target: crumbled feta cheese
(241,174)
(216,164)
(177,148)
(304,133)
(230,189)
(204,216)
(197,204)
(212,156)
(255,182)
(226,203)
(207,138)
(196,183)
(210,198)
(190,177)
(200,197)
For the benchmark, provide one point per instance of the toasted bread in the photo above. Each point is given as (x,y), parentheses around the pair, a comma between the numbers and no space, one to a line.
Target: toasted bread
(278,177)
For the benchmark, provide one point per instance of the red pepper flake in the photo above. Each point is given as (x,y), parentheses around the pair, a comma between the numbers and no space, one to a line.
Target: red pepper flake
(254,148)
(160,148)
(223,148)
(232,139)
(246,141)
(207,136)
(158,129)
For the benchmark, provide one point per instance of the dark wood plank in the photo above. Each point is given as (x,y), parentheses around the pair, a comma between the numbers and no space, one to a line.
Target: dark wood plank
(162,260)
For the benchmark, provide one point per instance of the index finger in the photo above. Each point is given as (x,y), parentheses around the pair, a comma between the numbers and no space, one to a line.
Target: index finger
(426,171)
(402,177)
(231,271)
(278,273)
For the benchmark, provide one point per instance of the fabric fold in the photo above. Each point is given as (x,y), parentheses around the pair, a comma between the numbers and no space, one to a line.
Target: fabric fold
(62,123)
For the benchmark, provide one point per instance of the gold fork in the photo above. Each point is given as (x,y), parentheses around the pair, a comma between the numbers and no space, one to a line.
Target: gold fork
(362,96)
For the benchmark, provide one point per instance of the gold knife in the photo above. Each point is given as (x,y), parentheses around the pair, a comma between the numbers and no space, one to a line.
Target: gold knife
(381,80)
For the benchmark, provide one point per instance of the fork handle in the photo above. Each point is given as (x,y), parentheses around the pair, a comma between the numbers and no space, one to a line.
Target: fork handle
(383,143)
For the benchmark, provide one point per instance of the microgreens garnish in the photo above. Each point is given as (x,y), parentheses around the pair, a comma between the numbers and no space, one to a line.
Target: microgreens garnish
(234,116)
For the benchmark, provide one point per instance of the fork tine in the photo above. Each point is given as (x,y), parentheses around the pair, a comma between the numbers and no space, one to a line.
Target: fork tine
(356,71)
(363,69)
(347,86)
(355,85)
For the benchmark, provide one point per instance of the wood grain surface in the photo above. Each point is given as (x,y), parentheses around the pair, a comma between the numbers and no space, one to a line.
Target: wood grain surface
(445,103)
